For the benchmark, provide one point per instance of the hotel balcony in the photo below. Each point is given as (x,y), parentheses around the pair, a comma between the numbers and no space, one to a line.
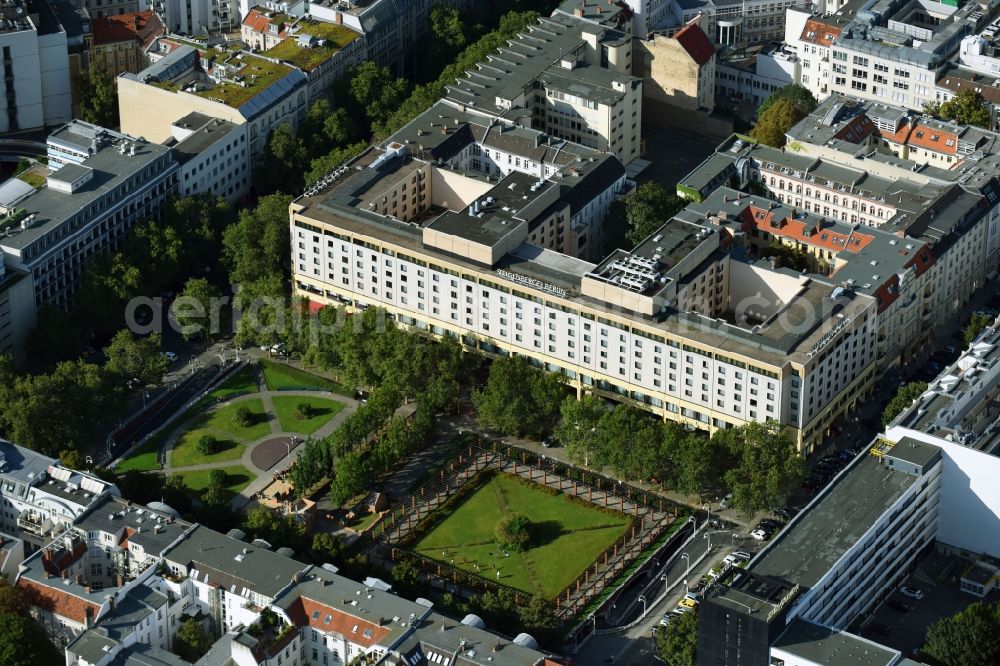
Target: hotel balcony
(37,524)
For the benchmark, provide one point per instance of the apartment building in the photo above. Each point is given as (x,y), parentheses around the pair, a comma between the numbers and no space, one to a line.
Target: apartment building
(196,17)
(838,558)
(116,583)
(726,22)
(752,73)
(566,77)
(678,74)
(119,43)
(239,87)
(925,185)
(888,51)
(40,497)
(86,208)
(211,154)
(960,404)
(36,68)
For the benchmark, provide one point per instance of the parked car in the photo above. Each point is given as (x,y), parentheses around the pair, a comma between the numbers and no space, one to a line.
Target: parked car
(759,535)
(911,592)
(694,596)
(899,606)
(170,356)
(682,609)
(687,603)
(784,514)
(742,556)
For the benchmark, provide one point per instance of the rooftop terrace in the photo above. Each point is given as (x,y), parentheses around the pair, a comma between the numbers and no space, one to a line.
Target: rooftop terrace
(312,43)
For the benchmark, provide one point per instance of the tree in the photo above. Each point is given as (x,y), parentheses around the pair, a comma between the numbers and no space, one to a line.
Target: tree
(197,309)
(288,149)
(321,166)
(767,465)
(967,638)
(257,245)
(773,124)
(207,444)
(303,411)
(71,458)
(352,476)
(904,398)
(977,324)
(130,357)
(696,462)
(967,107)
(578,430)
(677,642)
(99,97)
(217,479)
(513,531)
(11,599)
(518,399)
(798,96)
(647,209)
(328,547)
(192,642)
(23,642)
(56,337)
(243,417)
(375,91)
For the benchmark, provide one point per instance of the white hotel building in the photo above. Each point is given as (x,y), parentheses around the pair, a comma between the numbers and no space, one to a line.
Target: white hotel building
(677,326)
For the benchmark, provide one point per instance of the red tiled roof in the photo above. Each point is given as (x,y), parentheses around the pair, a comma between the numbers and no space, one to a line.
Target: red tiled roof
(351,627)
(256,21)
(856,129)
(934,139)
(812,235)
(56,601)
(696,43)
(140,26)
(817,32)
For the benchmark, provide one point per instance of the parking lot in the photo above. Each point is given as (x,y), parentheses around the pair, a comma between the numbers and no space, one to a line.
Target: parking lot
(936,576)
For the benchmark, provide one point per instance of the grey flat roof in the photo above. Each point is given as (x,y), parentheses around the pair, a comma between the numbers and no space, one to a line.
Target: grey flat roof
(914,451)
(52,208)
(152,530)
(70,172)
(822,645)
(805,550)
(214,557)
(214,130)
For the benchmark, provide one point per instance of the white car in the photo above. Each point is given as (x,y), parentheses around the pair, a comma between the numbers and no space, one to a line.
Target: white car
(742,556)
(170,356)
(758,535)
(911,592)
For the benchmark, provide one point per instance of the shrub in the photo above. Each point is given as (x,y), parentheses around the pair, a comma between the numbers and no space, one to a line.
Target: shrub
(303,411)
(207,445)
(217,479)
(243,418)
(512,531)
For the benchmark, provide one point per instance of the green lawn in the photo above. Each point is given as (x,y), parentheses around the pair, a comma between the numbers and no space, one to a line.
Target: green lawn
(221,420)
(323,409)
(238,477)
(185,451)
(144,457)
(244,381)
(567,537)
(279,377)
(363,522)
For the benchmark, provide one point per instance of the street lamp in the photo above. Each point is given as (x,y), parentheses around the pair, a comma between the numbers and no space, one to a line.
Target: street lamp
(642,598)
(684,556)
(708,519)
(708,537)
(733,535)
(666,584)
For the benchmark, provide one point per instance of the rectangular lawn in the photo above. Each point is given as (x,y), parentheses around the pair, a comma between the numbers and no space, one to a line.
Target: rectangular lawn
(281,377)
(566,536)
(143,458)
(244,381)
(222,420)
(185,451)
(323,410)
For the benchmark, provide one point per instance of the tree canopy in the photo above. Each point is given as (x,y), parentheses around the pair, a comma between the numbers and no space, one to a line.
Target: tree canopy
(773,123)
(647,209)
(677,643)
(798,96)
(519,399)
(967,107)
(904,398)
(130,357)
(99,97)
(978,323)
(967,638)
(766,465)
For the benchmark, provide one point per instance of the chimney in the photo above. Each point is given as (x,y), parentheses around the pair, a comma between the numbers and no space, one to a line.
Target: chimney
(338,18)
(79,579)
(578,12)
(88,613)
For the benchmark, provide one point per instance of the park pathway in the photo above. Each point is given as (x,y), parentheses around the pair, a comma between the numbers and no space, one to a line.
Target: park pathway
(262,477)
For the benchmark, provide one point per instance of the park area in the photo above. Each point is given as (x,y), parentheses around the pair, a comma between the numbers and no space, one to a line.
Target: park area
(566,536)
(224,429)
